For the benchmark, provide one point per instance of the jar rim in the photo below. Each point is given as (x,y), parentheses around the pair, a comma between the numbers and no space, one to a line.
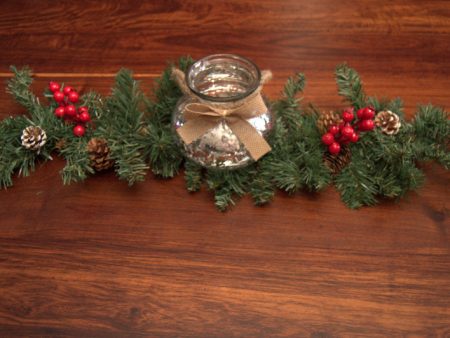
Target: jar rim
(236,96)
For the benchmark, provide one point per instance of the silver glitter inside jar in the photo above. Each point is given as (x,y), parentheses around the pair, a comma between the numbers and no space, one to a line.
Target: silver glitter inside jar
(220,80)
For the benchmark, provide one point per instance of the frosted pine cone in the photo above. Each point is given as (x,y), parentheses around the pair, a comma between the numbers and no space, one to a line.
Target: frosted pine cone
(388,121)
(33,138)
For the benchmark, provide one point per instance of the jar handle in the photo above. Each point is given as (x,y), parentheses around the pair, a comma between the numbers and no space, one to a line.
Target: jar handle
(266,76)
(180,78)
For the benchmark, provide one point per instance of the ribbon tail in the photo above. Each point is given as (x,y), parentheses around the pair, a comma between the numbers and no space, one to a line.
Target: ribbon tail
(255,144)
(193,129)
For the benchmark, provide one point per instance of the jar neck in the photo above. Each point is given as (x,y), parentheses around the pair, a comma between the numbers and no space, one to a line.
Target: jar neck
(223,78)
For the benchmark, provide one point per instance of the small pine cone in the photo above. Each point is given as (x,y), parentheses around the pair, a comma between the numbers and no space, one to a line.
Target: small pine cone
(144,131)
(326,120)
(60,144)
(33,138)
(337,162)
(388,121)
(99,154)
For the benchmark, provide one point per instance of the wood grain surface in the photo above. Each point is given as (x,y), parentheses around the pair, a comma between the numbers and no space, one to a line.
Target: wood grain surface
(99,259)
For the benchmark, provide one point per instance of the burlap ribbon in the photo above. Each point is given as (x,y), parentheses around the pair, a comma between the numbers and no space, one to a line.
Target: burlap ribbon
(201,116)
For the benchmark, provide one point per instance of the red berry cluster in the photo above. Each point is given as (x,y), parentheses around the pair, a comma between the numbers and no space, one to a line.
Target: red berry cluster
(67,98)
(348,131)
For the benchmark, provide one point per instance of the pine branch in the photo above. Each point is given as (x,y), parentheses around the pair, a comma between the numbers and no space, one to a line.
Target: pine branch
(77,166)
(223,198)
(19,88)
(431,127)
(166,94)
(316,175)
(288,176)
(193,175)
(163,150)
(95,103)
(355,183)
(294,86)
(395,168)
(396,106)
(121,123)
(262,187)
(13,157)
(288,108)
(227,185)
(350,86)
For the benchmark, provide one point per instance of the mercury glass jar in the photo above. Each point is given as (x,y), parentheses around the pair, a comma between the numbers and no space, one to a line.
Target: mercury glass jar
(221,80)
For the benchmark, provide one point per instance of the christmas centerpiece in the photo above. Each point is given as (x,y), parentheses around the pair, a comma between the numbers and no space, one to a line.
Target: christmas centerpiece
(209,120)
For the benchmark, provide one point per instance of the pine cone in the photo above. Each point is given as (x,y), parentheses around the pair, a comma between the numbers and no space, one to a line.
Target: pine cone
(33,138)
(99,154)
(144,131)
(388,121)
(326,120)
(60,144)
(337,162)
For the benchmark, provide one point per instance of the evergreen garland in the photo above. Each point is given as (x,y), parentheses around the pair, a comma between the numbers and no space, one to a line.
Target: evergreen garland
(140,137)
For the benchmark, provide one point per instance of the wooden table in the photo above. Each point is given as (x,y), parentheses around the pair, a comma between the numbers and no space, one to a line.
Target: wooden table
(99,259)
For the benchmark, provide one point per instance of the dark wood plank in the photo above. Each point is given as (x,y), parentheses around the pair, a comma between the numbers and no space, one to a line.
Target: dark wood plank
(99,259)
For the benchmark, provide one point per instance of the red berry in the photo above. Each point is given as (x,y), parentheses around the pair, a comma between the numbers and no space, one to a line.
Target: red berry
(334,148)
(73,96)
(354,138)
(347,116)
(369,113)
(327,139)
(341,125)
(84,117)
(82,109)
(360,113)
(53,86)
(333,130)
(59,112)
(347,131)
(58,96)
(79,130)
(367,125)
(70,110)
(67,90)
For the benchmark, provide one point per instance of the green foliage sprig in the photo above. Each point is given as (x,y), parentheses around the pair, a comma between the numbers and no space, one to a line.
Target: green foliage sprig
(122,125)
(163,151)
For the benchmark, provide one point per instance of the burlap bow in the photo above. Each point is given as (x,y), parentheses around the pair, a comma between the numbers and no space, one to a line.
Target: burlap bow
(201,116)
